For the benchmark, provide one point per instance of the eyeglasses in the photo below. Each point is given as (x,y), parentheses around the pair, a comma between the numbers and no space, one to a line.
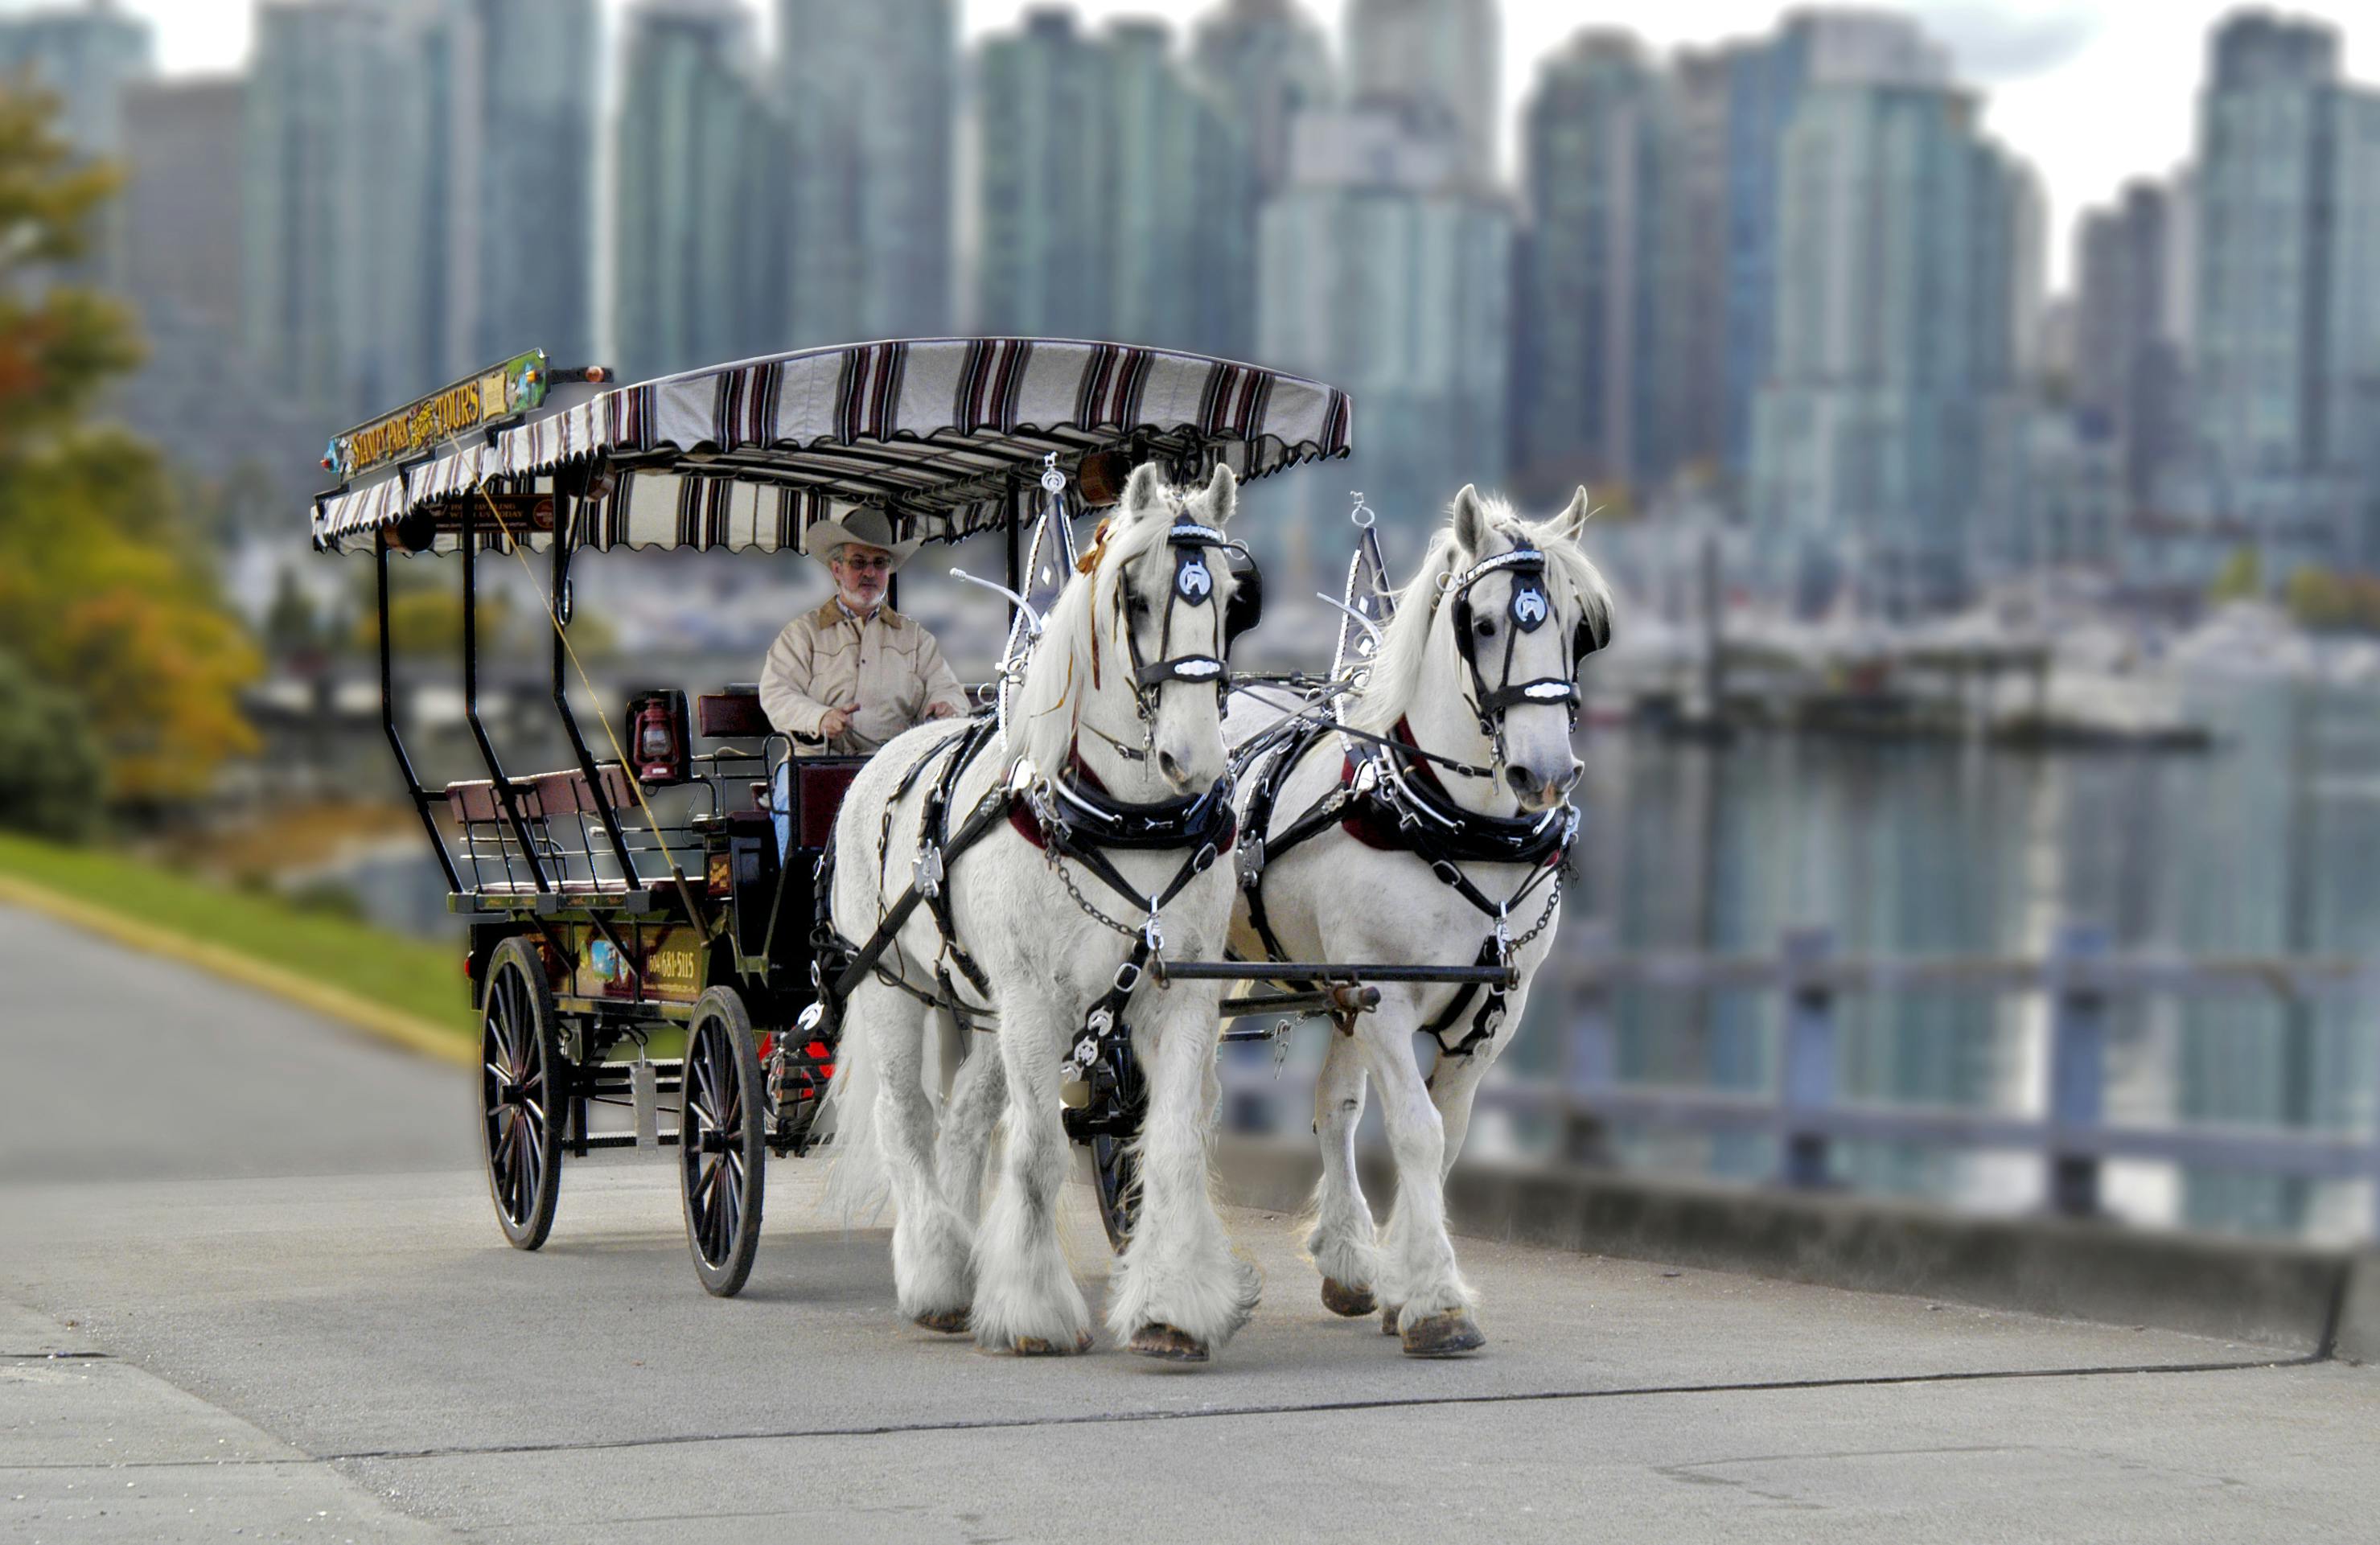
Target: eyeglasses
(882,562)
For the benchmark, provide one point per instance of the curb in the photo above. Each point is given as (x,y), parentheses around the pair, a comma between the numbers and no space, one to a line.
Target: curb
(2314,1300)
(412,1033)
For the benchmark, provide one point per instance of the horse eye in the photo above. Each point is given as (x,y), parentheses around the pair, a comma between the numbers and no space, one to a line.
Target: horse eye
(1138,605)
(1486,628)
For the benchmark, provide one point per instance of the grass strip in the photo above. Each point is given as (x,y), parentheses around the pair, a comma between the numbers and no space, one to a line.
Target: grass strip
(358,968)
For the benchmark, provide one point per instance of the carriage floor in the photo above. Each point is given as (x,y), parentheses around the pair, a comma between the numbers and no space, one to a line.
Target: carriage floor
(291,1312)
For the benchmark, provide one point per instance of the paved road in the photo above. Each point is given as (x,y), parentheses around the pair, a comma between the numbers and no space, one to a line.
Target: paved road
(266,1253)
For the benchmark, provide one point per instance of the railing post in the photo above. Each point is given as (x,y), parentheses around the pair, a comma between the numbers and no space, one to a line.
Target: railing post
(2367,996)
(1806,1078)
(2078,1071)
(1592,1050)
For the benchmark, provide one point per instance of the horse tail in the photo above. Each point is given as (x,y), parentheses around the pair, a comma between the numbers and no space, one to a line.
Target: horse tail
(857,1185)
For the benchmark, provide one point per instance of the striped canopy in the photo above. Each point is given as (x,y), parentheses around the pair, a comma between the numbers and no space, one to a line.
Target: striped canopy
(938,433)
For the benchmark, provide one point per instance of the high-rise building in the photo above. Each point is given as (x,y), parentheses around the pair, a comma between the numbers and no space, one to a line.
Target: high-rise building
(184,238)
(869,93)
(1438,57)
(1040,264)
(1266,61)
(1694,214)
(1113,200)
(698,210)
(360,254)
(2287,346)
(197,395)
(1589,313)
(1814,49)
(85,54)
(2127,381)
(1898,284)
(541,83)
(1386,270)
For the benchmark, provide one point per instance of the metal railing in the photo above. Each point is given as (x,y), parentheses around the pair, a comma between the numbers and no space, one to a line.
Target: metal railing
(1804,1109)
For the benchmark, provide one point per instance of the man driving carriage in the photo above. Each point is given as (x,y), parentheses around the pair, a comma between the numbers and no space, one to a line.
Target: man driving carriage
(848,676)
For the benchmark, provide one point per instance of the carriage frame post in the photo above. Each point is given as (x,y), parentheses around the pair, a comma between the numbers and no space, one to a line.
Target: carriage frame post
(564,511)
(414,791)
(503,786)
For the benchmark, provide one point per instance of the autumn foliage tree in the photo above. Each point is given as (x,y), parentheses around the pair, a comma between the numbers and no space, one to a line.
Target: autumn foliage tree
(106,596)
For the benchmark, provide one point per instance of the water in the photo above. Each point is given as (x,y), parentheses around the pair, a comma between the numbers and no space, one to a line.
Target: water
(2264,846)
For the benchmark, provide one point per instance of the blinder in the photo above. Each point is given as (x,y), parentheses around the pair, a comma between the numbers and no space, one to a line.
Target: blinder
(1528,609)
(1194,586)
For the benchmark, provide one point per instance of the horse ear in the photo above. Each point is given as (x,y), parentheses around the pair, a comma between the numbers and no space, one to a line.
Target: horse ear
(1573,521)
(1222,495)
(1470,520)
(1144,490)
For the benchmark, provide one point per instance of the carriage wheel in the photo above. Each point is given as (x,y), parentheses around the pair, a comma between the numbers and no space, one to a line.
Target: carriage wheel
(1115,1166)
(721,1138)
(521,1093)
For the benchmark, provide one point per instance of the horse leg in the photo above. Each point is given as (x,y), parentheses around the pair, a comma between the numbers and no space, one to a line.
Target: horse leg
(1342,1244)
(931,1271)
(978,1093)
(1454,1082)
(1428,1303)
(1025,1299)
(1179,1293)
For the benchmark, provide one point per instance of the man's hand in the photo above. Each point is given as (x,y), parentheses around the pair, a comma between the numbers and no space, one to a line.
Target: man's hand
(939,710)
(837,720)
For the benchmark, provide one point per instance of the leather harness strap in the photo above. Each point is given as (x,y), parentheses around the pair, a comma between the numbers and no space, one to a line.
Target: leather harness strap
(1398,811)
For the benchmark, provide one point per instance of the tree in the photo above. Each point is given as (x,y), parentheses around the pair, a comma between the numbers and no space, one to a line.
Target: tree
(2242,578)
(106,595)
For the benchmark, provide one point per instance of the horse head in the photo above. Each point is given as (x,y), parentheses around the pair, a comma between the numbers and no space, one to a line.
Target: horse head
(1485,649)
(1129,674)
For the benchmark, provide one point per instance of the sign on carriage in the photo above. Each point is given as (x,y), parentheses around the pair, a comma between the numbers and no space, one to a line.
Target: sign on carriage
(500,391)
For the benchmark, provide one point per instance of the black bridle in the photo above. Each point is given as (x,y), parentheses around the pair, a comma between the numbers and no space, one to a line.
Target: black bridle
(1193,586)
(1529,608)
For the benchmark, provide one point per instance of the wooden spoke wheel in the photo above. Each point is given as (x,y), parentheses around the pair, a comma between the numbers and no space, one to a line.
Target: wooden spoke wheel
(521,1092)
(723,1137)
(1115,1168)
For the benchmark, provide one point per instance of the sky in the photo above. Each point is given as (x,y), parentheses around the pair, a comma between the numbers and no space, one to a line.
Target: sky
(2090,92)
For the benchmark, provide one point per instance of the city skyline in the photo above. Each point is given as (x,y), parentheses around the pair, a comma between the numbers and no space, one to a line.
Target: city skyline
(2045,71)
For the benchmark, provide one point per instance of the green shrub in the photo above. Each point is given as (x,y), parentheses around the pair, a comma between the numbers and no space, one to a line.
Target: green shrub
(50,775)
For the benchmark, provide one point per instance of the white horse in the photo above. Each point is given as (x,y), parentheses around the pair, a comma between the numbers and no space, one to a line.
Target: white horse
(1093,717)
(1532,605)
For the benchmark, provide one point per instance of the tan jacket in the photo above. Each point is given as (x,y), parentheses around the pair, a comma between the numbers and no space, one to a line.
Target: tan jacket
(889,665)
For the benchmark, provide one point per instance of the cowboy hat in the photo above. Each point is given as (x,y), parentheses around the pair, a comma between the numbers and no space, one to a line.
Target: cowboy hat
(868,526)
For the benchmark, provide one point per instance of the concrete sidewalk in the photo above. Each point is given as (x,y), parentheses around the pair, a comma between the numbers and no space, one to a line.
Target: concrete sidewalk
(278,1237)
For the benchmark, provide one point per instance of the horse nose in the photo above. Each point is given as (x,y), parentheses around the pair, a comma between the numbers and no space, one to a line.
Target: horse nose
(1577,771)
(1175,774)
(1523,779)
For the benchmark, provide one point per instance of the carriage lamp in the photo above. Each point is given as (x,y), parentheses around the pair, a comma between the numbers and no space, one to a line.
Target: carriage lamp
(657,736)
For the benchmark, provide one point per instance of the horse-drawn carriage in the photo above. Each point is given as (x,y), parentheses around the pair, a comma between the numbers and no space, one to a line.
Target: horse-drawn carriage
(648,891)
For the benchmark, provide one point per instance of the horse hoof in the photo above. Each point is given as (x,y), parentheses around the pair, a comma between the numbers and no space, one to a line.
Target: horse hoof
(1353,1303)
(1034,1347)
(950,1322)
(1443,1335)
(1389,1313)
(1169,1345)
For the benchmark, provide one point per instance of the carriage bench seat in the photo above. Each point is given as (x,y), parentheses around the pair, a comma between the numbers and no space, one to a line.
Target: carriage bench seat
(545,800)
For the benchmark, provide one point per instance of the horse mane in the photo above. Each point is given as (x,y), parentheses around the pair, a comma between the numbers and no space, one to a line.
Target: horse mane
(1047,710)
(1399,670)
